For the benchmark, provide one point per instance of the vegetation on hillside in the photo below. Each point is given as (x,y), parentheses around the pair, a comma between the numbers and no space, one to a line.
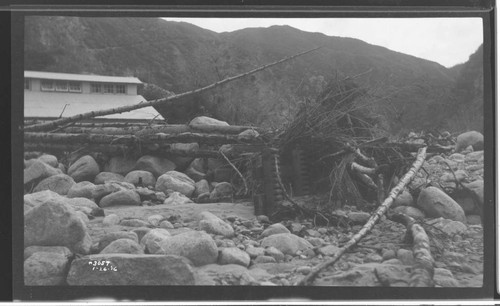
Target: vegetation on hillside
(179,57)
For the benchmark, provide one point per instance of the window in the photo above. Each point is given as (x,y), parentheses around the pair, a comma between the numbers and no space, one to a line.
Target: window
(61,86)
(120,88)
(95,88)
(108,88)
(47,85)
(27,84)
(75,87)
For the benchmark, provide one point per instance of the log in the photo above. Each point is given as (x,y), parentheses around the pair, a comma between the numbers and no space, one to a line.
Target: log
(56,148)
(166,129)
(35,137)
(157,102)
(422,274)
(308,279)
(362,169)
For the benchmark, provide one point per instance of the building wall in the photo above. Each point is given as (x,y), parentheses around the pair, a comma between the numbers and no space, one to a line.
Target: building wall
(85,87)
(132,89)
(35,85)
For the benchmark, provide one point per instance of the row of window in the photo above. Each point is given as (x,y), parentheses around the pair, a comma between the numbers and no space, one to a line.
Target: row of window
(107,88)
(64,86)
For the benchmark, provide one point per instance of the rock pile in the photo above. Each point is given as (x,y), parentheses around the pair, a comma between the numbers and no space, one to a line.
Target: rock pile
(138,223)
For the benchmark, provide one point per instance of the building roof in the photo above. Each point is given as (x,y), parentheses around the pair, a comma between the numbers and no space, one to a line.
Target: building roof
(80,77)
(50,104)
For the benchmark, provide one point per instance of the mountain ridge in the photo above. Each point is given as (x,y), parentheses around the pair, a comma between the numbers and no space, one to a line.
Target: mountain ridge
(179,56)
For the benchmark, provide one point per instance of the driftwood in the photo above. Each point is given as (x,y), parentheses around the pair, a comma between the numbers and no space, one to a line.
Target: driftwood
(362,169)
(423,270)
(118,149)
(167,129)
(157,102)
(308,279)
(131,139)
(350,149)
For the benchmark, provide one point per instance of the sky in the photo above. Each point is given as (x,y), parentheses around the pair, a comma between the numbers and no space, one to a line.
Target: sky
(447,41)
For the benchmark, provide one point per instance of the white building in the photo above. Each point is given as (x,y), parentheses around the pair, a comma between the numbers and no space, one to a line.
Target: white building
(53,95)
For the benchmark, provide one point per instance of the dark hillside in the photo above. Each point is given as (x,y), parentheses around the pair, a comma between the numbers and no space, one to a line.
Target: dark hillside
(179,57)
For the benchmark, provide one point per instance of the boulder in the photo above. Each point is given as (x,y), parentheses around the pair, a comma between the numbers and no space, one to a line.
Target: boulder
(203,120)
(262,259)
(201,187)
(287,243)
(234,256)
(181,162)
(197,169)
(447,226)
(212,224)
(255,251)
(154,220)
(84,169)
(111,219)
(140,178)
(123,197)
(392,275)
(123,246)
(64,251)
(166,224)
(39,170)
(275,253)
(56,224)
(478,188)
(403,199)
(273,229)
(460,175)
(475,157)
(175,181)
(197,246)
(222,191)
(134,223)
(471,138)
(34,199)
(177,198)
(405,256)
(50,160)
(226,275)
(110,237)
(444,278)
(45,269)
(411,211)
(141,231)
(435,203)
(120,165)
(156,165)
(329,250)
(152,240)
(59,183)
(130,270)
(194,174)
(82,189)
(248,135)
(104,177)
(358,217)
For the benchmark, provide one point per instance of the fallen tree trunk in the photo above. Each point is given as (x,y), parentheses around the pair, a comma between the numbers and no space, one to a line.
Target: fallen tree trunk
(166,129)
(131,139)
(157,102)
(56,148)
(423,270)
(308,279)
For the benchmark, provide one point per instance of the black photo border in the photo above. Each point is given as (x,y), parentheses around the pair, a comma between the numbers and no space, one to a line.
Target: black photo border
(306,9)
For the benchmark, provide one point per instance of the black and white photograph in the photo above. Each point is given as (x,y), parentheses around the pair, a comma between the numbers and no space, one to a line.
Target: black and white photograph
(255,151)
